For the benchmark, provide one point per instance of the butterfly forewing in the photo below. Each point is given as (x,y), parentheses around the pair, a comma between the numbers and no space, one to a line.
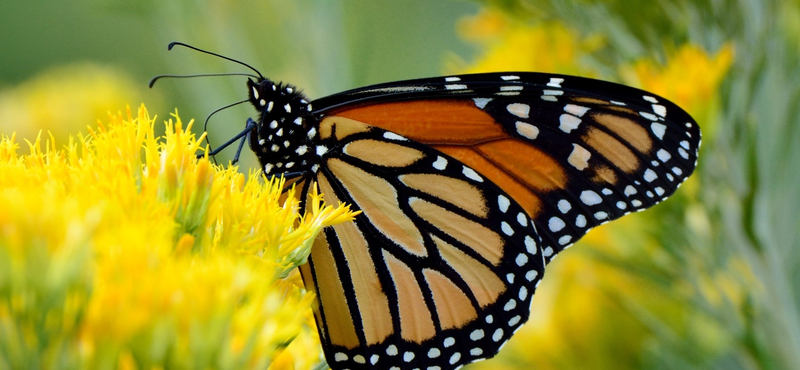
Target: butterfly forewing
(573,152)
(439,269)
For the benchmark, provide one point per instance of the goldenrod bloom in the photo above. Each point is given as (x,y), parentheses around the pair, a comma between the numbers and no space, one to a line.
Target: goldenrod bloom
(123,250)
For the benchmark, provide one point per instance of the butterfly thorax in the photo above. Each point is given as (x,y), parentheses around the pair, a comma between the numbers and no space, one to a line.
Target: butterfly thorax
(282,139)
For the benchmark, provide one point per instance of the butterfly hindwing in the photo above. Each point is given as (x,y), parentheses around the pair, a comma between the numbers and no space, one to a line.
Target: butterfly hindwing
(438,270)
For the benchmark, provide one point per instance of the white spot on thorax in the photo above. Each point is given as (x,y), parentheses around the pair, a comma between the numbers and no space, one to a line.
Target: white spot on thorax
(287,108)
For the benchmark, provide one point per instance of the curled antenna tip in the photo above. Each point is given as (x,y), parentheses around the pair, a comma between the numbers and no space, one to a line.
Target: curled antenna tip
(172,44)
(153,81)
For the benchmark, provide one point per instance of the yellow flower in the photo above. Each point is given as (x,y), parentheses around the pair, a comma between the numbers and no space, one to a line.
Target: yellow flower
(514,46)
(123,250)
(690,78)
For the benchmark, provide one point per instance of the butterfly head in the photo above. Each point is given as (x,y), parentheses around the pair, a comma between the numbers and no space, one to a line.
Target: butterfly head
(282,139)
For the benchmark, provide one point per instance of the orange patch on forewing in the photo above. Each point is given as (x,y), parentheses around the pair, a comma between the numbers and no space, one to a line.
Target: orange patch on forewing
(378,200)
(416,322)
(343,127)
(454,191)
(383,153)
(483,283)
(333,303)
(453,308)
(535,168)
(603,174)
(627,130)
(483,240)
(373,305)
(430,121)
(524,196)
(612,149)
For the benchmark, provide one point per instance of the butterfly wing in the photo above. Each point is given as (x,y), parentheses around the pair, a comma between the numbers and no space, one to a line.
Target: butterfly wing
(573,152)
(468,186)
(434,272)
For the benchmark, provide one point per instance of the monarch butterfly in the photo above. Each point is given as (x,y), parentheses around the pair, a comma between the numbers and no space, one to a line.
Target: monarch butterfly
(468,186)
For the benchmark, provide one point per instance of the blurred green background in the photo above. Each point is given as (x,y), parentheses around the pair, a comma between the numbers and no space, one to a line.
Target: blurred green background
(706,280)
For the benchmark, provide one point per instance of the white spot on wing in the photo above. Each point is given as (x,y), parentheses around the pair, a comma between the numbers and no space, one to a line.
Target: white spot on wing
(530,244)
(576,110)
(393,136)
(590,198)
(649,175)
(509,78)
(527,130)
(660,110)
(579,158)
(650,99)
(440,163)
(663,155)
(511,88)
(568,122)
(506,228)
(503,203)
(555,82)
(519,109)
(452,79)
(658,130)
(556,224)
(481,102)
(471,174)
(455,87)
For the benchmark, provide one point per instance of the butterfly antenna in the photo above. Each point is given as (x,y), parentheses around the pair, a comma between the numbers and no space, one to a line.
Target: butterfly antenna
(156,78)
(208,117)
(172,44)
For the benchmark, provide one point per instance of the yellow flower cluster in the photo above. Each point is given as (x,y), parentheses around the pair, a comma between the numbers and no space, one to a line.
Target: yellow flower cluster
(122,250)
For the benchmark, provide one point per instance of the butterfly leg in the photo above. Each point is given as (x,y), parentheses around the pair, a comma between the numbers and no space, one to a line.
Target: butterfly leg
(251,124)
